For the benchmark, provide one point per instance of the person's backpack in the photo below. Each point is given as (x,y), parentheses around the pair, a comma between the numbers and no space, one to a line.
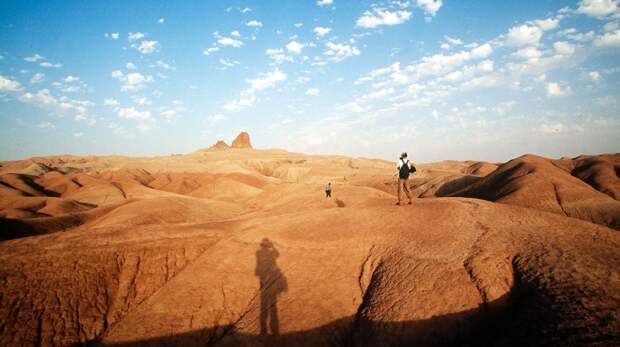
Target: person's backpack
(404,170)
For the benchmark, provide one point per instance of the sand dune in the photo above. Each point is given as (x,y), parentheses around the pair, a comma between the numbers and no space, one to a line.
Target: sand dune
(239,247)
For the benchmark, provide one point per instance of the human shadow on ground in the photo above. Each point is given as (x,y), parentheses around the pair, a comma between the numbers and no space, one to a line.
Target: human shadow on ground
(272,283)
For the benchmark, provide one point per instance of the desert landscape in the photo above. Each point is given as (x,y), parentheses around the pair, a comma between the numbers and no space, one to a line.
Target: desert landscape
(339,173)
(235,246)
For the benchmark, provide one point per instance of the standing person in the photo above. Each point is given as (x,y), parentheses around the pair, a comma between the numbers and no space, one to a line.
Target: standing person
(328,190)
(404,167)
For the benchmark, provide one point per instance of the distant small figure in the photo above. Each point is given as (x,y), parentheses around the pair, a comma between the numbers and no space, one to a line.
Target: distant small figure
(328,190)
(404,169)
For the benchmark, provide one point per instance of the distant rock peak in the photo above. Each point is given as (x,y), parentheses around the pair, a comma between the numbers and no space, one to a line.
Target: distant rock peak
(242,141)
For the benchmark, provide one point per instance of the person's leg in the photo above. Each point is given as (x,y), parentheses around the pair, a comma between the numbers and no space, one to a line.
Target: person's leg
(399,189)
(274,322)
(406,188)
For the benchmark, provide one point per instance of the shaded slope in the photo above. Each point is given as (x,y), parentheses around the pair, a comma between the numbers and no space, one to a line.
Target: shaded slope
(535,182)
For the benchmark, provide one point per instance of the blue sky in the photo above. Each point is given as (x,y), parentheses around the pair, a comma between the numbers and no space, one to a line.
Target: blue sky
(483,80)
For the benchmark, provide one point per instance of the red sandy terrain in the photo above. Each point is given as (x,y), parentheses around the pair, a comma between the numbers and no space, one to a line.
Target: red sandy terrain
(232,246)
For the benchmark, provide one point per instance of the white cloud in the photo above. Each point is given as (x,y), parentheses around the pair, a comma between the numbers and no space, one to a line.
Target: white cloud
(132,81)
(610,39)
(42,98)
(135,78)
(52,65)
(210,50)
(235,33)
(147,46)
(267,80)
(228,62)
(298,25)
(216,118)
(557,128)
(71,79)
(254,23)
(277,54)
(606,101)
(78,134)
(556,90)
(227,41)
(563,47)
(130,66)
(322,31)
(37,78)
(295,47)
(430,6)
(34,58)
(325,2)
(46,125)
(243,102)
(169,115)
(339,51)
(353,107)
(132,113)
(312,91)
(382,17)
(595,76)
(135,36)
(547,24)
(263,81)
(164,65)
(113,36)
(161,20)
(453,41)
(524,35)
(7,85)
(598,8)
(530,53)
(110,102)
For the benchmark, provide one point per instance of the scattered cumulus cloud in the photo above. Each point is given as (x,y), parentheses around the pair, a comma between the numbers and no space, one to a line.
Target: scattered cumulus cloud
(146,46)
(216,118)
(34,58)
(135,36)
(46,125)
(161,20)
(524,35)
(340,51)
(322,31)
(380,16)
(7,85)
(556,90)
(110,102)
(325,2)
(133,113)
(295,47)
(262,82)
(430,6)
(228,41)
(37,78)
(312,91)
(254,23)
(598,8)
(112,36)
(607,40)
(210,50)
